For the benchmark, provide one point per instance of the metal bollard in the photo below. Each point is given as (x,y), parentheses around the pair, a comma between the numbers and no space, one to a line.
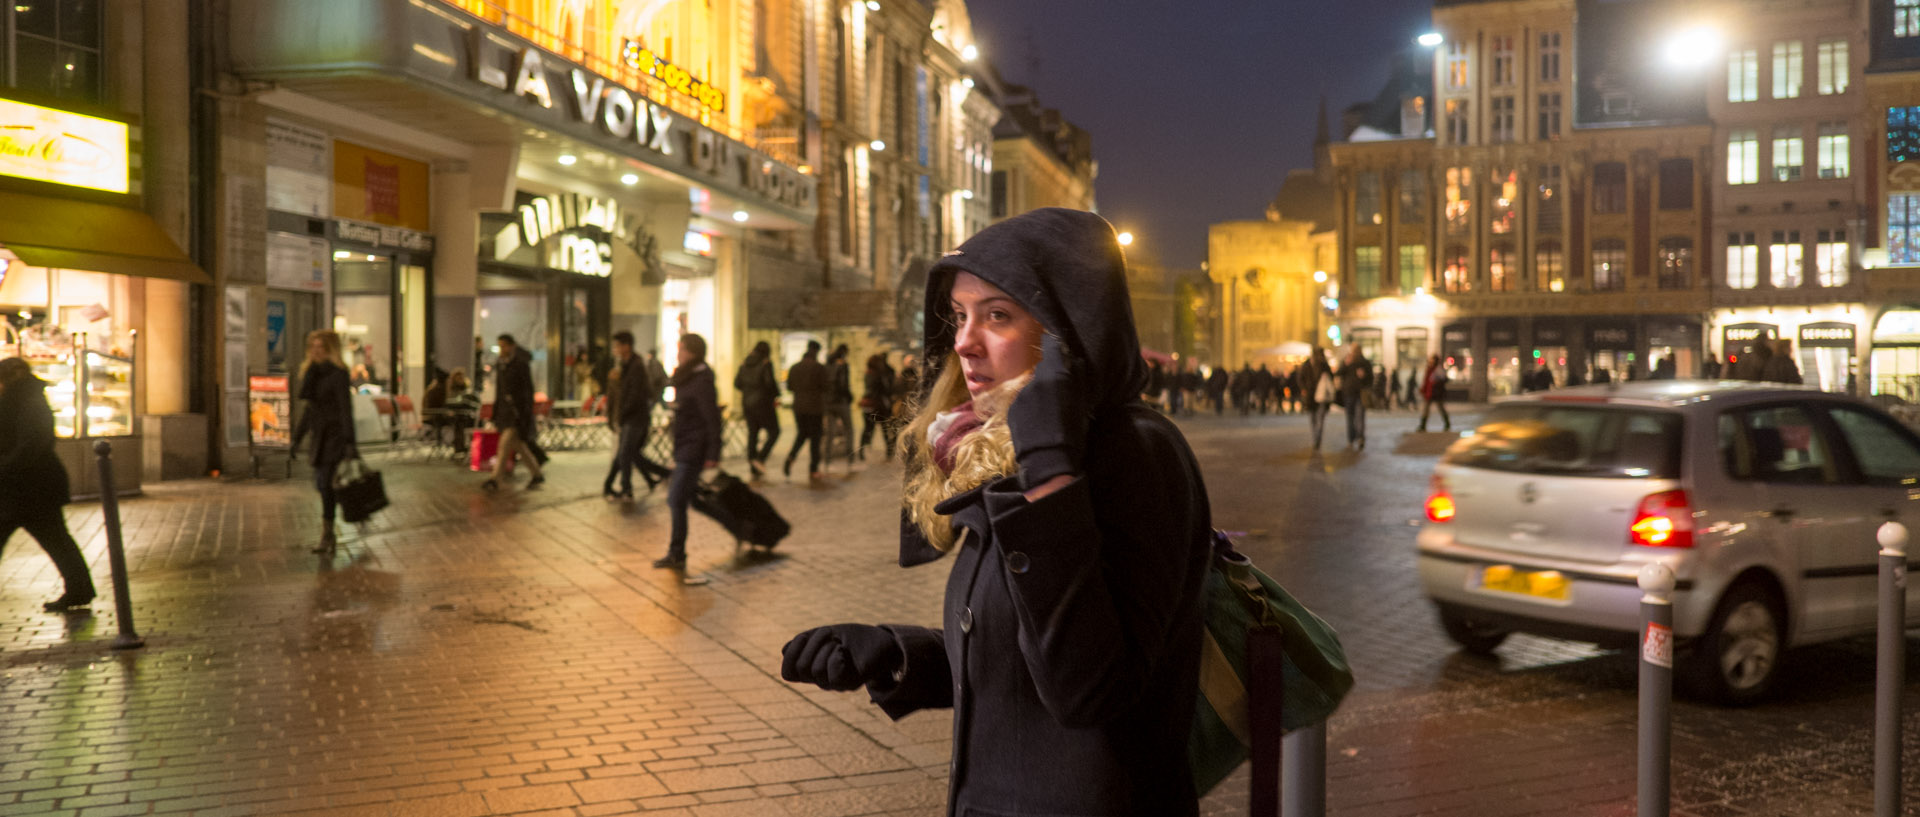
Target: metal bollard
(1892,661)
(116,554)
(1656,690)
(1303,779)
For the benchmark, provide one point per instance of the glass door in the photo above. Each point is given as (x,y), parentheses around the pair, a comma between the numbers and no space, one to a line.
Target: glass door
(363,315)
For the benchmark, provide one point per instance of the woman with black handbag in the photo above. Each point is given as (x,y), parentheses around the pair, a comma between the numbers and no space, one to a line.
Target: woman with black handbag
(324,387)
(1078,522)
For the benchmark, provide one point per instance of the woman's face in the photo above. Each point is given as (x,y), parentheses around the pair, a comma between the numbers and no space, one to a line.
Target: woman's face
(316,349)
(994,336)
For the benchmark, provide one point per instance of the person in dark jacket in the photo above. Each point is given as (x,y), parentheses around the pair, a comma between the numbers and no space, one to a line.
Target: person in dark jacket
(325,389)
(1217,384)
(696,440)
(513,414)
(656,374)
(1354,381)
(759,401)
(807,380)
(839,404)
(630,411)
(33,483)
(877,404)
(1315,400)
(1072,624)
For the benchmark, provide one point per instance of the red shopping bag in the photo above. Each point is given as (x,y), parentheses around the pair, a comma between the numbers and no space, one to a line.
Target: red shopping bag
(486,443)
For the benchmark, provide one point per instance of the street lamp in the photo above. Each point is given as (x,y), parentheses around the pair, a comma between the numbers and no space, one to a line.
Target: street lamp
(1430,39)
(1692,47)
(1126,239)
(1319,276)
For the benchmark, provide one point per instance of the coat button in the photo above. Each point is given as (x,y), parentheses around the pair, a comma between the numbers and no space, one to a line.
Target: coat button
(1017,562)
(966,619)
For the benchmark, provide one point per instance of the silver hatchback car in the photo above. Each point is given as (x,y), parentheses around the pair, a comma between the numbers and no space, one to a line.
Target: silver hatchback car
(1763,499)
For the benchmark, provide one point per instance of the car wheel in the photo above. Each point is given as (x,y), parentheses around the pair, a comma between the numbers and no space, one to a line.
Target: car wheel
(1475,635)
(1738,659)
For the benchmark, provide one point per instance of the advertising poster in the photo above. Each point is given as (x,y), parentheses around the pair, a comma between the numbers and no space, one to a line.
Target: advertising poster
(269,412)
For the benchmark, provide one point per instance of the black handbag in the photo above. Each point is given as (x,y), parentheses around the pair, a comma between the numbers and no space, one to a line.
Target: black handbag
(359,490)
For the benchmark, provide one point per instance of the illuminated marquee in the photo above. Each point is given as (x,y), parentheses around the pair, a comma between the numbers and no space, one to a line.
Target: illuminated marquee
(61,147)
(640,57)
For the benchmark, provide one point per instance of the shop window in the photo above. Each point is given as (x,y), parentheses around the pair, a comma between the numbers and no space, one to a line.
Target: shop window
(1459,199)
(1788,60)
(1676,184)
(1503,61)
(1459,126)
(1550,56)
(1413,267)
(1789,154)
(1366,197)
(1504,201)
(1609,264)
(1743,261)
(1834,150)
(1743,76)
(1501,272)
(1903,134)
(1906,18)
(1676,263)
(1550,267)
(1903,228)
(1832,57)
(1457,275)
(1549,116)
(1743,157)
(1366,272)
(1500,126)
(1832,258)
(55,48)
(1610,187)
(1413,197)
(1546,205)
(1785,260)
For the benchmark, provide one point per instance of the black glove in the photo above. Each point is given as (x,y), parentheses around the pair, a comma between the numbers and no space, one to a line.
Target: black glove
(841,657)
(1049,424)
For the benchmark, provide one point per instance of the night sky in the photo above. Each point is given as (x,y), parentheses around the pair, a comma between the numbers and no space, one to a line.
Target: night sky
(1197,108)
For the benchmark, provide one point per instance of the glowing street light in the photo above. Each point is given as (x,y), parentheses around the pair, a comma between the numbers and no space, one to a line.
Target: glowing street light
(1693,47)
(1430,39)
(1126,239)
(1319,276)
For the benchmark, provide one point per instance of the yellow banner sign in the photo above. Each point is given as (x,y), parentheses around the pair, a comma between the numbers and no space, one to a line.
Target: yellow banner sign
(62,147)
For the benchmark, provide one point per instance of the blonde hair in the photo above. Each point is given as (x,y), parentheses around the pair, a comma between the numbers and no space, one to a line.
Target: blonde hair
(982,456)
(330,341)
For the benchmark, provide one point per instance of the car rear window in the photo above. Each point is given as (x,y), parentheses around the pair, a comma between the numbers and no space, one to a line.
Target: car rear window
(1588,441)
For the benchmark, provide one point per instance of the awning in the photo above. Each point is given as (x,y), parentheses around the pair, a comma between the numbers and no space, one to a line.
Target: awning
(44,231)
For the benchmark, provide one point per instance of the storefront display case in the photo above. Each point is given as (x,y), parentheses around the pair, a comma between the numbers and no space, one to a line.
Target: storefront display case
(91,394)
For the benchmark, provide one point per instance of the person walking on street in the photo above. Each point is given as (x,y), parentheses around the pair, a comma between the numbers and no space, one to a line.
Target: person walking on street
(696,440)
(1263,388)
(1217,384)
(656,374)
(513,414)
(839,404)
(1316,391)
(1071,633)
(807,380)
(1433,393)
(1779,367)
(329,418)
(877,404)
(33,483)
(759,399)
(631,413)
(1355,380)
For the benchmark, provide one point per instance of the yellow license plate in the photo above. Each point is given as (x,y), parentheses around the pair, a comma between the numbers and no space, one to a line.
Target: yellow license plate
(1545,584)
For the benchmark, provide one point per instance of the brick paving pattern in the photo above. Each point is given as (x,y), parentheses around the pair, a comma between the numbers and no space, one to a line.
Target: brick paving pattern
(475,654)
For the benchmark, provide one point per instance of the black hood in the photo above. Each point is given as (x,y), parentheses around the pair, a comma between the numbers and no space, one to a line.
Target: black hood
(1066,267)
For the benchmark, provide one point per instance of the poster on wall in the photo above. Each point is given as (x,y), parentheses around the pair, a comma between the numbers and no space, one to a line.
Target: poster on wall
(236,313)
(269,412)
(297,262)
(299,169)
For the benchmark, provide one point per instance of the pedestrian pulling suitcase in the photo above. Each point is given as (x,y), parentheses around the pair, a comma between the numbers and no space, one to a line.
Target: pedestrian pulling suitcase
(745,514)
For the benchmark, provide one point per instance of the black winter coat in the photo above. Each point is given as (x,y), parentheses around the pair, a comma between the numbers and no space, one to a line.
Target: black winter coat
(696,415)
(328,417)
(759,391)
(32,480)
(1070,638)
(513,393)
(841,392)
(633,402)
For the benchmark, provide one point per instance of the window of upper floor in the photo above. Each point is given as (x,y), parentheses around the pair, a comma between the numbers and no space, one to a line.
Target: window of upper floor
(53,48)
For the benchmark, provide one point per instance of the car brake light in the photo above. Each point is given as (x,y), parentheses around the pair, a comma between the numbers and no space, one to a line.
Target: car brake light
(1440,502)
(1664,519)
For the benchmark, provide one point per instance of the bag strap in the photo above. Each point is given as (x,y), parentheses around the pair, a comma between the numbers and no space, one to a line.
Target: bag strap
(1266,669)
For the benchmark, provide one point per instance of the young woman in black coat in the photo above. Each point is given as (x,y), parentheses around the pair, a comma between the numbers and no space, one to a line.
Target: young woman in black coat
(326,389)
(1078,522)
(33,483)
(696,441)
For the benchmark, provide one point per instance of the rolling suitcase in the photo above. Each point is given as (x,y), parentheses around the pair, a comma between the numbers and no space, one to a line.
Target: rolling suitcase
(745,514)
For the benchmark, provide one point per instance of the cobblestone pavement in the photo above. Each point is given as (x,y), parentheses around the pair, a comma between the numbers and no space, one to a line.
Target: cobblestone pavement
(475,654)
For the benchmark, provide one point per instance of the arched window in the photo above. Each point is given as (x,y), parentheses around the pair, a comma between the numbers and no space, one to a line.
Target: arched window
(1609,264)
(1457,274)
(1550,267)
(1676,263)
